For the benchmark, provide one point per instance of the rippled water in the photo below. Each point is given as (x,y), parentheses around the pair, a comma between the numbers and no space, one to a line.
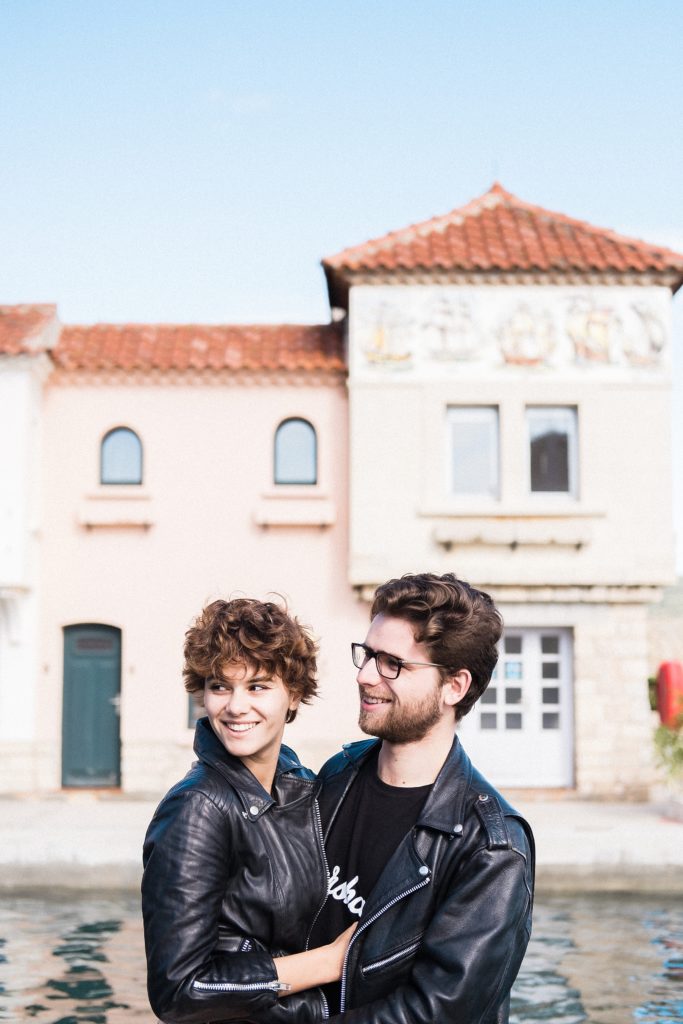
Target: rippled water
(604,960)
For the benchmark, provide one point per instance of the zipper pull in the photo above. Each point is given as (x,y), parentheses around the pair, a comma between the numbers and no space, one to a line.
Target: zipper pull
(279,986)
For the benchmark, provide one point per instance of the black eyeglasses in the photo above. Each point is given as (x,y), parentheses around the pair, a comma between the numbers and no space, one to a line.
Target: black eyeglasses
(388,666)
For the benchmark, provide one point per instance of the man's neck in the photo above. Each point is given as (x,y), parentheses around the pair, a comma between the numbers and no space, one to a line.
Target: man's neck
(415,764)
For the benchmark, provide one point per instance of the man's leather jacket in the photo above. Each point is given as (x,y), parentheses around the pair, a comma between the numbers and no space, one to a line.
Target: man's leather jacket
(232,877)
(444,931)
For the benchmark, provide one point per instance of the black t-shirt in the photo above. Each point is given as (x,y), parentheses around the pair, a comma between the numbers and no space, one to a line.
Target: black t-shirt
(371,822)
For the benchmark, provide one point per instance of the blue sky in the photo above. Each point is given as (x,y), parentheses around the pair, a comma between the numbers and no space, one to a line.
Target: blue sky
(193,161)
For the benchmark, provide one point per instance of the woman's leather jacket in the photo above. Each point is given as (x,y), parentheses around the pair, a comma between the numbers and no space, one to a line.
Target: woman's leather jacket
(444,930)
(233,876)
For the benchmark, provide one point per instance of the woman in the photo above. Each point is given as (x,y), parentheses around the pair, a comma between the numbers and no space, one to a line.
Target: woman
(235,872)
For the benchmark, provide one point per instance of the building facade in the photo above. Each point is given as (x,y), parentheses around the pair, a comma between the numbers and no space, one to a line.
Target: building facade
(491,398)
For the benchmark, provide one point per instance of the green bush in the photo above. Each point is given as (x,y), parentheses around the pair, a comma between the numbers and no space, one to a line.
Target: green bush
(669,748)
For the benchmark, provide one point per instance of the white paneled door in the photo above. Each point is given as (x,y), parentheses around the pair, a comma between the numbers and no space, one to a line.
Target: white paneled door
(520,732)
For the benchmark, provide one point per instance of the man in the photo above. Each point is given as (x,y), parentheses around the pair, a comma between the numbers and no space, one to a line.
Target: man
(423,853)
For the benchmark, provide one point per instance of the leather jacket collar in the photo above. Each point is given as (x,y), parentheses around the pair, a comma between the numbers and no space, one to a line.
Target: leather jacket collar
(251,793)
(444,808)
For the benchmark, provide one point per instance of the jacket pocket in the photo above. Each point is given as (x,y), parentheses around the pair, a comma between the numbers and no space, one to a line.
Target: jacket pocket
(392,958)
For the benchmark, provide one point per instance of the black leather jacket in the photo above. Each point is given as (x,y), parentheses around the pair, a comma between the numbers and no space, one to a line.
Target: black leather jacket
(444,931)
(232,877)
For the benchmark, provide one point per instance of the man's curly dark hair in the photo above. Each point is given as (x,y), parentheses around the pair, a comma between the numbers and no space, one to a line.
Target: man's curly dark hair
(459,625)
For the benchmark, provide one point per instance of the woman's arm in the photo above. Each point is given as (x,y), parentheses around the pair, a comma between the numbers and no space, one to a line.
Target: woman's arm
(313,967)
(190,979)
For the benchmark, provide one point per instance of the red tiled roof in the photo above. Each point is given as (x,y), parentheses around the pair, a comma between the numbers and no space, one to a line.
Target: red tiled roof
(201,347)
(19,326)
(499,232)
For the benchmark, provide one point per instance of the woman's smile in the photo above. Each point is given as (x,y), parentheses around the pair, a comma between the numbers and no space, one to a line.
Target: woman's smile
(247,710)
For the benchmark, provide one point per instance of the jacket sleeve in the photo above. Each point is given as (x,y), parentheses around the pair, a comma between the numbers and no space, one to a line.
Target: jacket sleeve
(472,948)
(189,978)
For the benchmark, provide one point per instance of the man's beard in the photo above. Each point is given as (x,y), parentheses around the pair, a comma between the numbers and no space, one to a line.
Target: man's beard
(407,724)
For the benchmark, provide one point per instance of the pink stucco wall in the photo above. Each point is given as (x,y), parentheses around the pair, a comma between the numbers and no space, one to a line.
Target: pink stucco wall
(207,468)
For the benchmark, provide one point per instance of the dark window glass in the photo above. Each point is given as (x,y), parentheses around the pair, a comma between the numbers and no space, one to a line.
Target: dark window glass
(552,449)
(551,720)
(550,670)
(296,453)
(513,644)
(513,720)
(513,695)
(121,457)
(551,695)
(550,462)
(550,645)
(489,720)
(489,696)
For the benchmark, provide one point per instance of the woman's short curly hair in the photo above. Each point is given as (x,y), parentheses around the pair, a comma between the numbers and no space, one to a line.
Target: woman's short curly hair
(262,635)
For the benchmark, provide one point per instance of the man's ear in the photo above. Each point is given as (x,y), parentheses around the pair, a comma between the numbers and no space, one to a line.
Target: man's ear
(456,686)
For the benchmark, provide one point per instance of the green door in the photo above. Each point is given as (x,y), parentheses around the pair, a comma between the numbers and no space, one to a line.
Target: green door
(90,717)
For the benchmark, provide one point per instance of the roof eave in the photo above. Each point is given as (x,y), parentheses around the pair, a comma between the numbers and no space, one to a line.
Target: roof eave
(337,287)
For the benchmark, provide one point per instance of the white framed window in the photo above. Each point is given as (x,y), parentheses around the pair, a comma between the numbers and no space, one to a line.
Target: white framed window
(296,453)
(473,450)
(553,450)
(121,457)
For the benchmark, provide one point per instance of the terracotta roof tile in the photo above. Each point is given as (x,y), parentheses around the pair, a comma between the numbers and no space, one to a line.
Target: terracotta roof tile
(21,326)
(201,347)
(499,232)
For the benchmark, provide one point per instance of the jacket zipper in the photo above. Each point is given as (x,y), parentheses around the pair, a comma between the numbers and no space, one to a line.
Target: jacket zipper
(375,966)
(321,840)
(366,924)
(237,986)
(319,832)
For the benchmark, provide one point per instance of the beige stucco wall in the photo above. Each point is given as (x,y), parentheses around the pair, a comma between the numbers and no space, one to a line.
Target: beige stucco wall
(617,531)
(590,562)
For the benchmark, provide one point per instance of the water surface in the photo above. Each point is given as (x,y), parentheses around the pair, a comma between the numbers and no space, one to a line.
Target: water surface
(599,959)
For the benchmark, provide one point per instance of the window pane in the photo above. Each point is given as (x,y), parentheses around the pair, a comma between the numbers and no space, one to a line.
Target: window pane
(513,670)
(195,710)
(121,457)
(489,720)
(513,695)
(551,720)
(513,720)
(474,450)
(552,439)
(551,695)
(295,453)
(489,696)
(513,644)
(550,670)
(550,645)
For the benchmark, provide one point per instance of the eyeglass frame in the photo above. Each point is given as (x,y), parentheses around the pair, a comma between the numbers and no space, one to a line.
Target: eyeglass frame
(371,655)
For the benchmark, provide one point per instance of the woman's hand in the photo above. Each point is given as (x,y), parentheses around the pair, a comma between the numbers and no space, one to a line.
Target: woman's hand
(315,966)
(338,948)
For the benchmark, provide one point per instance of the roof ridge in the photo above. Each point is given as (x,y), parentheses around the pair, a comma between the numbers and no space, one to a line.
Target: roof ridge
(495,196)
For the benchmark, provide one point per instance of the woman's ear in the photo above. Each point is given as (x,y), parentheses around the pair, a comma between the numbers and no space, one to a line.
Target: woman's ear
(293,707)
(456,686)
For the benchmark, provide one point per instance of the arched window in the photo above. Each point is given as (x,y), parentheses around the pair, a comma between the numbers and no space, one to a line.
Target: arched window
(121,457)
(296,453)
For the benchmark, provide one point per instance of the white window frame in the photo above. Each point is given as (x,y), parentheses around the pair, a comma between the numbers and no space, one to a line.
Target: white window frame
(136,455)
(488,415)
(280,439)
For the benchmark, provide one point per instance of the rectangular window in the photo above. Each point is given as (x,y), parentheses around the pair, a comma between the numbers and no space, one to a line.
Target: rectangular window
(473,450)
(553,450)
